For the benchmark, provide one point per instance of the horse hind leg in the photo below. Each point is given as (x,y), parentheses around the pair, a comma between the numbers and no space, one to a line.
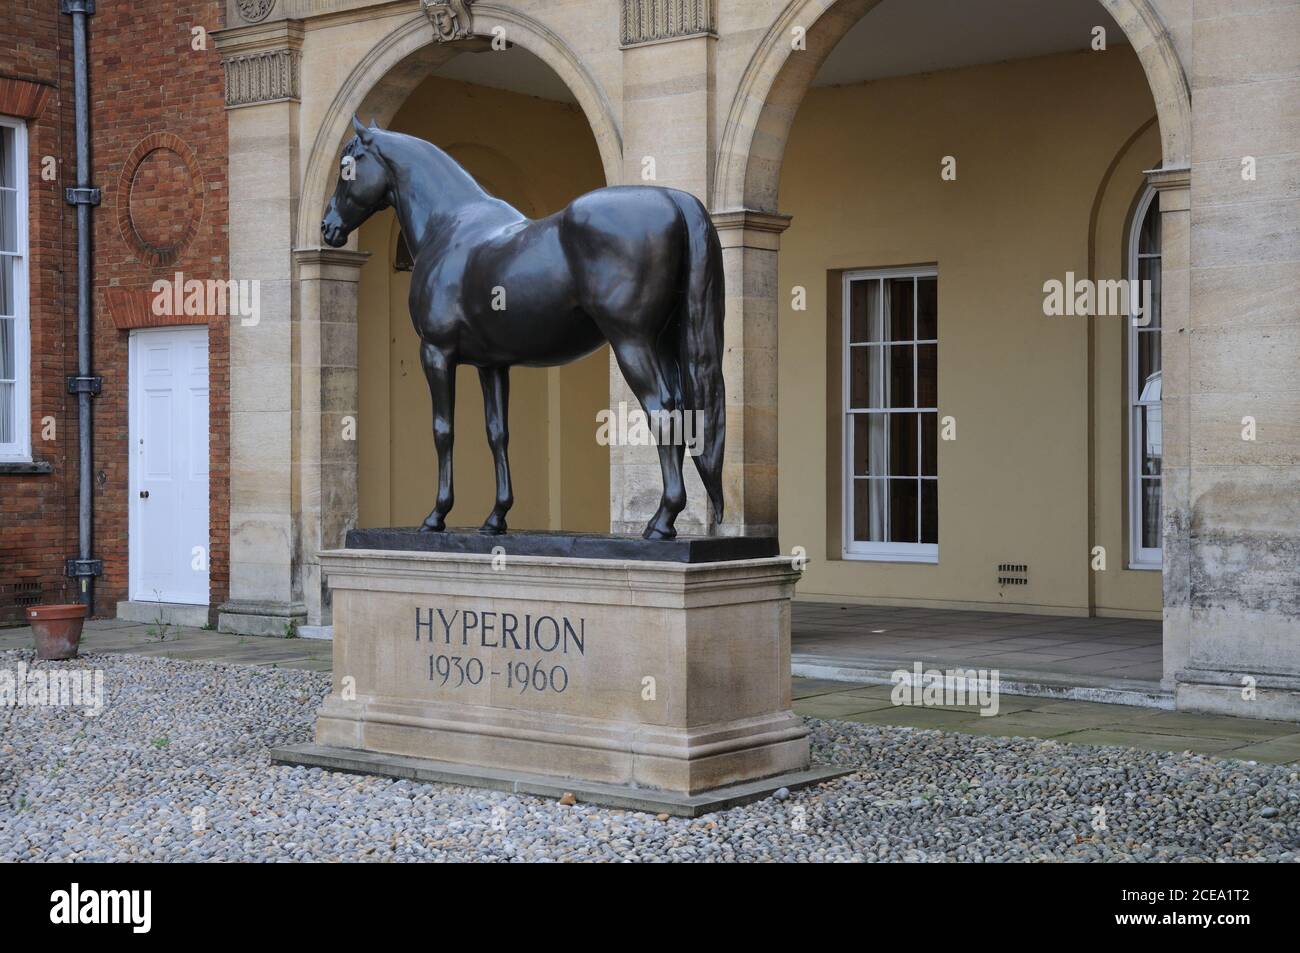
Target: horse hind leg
(440,372)
(496,406)
(641,367)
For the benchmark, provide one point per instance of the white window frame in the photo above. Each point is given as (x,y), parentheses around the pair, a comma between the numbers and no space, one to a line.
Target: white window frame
(853,549)
(20,450)
(1140,557)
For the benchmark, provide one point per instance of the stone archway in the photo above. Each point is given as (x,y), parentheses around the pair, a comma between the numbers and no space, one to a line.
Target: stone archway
(752,145)
(377,87)
(387,75)
(775,81)
(294,375)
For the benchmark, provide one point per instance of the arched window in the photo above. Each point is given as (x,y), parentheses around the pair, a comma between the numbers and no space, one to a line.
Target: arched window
(1144,418)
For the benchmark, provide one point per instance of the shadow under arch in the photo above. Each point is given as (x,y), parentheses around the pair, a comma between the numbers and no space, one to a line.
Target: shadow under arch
(402,59)
(775,82)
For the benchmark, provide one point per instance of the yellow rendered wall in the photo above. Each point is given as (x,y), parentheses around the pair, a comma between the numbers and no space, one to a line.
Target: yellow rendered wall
(1050,153)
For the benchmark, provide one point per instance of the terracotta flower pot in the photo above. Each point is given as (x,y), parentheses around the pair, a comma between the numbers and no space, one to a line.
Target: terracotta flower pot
(57,629)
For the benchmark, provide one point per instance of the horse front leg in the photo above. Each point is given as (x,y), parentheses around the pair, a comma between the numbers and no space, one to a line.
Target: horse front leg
(440,371)
(496,407)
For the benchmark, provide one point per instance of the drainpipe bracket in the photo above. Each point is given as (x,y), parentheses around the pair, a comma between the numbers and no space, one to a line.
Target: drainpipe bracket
(78,568)
(77,6)
(86,196)
(85,385)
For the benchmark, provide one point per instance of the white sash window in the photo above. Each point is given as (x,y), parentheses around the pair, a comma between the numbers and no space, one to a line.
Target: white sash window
(891,477)
(1145,434)
(15,362)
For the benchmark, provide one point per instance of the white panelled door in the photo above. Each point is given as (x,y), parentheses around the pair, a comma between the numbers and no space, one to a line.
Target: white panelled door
(169,465)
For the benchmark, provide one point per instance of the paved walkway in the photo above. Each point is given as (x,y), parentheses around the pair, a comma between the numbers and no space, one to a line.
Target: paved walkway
(1083,658)
(1031,717)
(182,642)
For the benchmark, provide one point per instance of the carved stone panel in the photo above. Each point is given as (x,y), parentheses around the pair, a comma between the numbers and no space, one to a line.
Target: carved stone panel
(261,77)
(647,21)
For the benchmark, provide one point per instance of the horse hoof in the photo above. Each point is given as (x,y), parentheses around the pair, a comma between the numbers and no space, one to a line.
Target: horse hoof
(433,526)
(654,532)
(492,529)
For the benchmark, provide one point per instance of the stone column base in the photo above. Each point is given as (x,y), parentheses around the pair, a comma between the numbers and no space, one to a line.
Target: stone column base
(673,677)
(1244,694)
(280,619)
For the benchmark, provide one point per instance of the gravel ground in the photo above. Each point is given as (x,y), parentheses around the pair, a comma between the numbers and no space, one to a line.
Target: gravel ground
(176,768)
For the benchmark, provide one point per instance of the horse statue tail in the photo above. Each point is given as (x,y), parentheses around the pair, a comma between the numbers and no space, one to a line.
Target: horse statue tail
(700,344)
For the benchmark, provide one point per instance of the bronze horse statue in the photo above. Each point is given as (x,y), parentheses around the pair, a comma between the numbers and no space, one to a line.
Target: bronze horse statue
(637,266)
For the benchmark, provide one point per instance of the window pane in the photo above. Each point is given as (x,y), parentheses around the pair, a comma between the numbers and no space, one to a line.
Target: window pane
(902,326)
(7,413)
(902,511)
(930,511)
(927,375)
(864,310)
(9,221)
(865,373)
(927,309)
(870,449)
(1149,236)
(929,444)
(1149,273)
(8,147)
(902,444)
(8,265)
(870,498)
(1150,513)
(872,384)
(1148,365)
(884,511)
(901,357)
(7,349)
(1150,437)
(885,444)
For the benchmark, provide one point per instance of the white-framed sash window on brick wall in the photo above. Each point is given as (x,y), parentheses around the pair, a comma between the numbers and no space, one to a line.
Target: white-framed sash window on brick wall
(15,358)
(1143,386)
(891,416)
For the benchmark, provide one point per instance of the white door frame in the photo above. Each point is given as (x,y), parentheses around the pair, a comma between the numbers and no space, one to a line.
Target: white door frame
(134,532)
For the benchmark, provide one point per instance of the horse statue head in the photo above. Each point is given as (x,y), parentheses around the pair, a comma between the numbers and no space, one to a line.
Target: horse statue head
(365,187)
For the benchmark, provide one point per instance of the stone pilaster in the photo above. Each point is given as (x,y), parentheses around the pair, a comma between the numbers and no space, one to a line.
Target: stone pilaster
(1173,186)
(668,99)
(750,241)
(1243,488)
(327,416)
(266,596)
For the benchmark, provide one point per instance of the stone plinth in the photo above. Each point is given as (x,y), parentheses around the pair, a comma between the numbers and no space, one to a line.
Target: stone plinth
(630,675)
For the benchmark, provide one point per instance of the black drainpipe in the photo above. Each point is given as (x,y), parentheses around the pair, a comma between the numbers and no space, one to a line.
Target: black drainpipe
(84,384)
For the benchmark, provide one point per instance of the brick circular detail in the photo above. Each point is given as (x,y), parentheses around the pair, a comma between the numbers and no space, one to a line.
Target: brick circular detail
(160,198)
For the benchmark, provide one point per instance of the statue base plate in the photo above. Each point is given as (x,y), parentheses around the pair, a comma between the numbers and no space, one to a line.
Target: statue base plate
(623,797)
(624,674)
(683,549)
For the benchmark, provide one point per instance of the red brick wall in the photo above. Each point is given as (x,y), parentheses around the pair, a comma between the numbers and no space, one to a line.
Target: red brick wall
(38,512)
(159,156)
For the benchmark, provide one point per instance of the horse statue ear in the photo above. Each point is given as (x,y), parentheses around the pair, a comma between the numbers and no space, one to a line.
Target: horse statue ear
(362,132)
